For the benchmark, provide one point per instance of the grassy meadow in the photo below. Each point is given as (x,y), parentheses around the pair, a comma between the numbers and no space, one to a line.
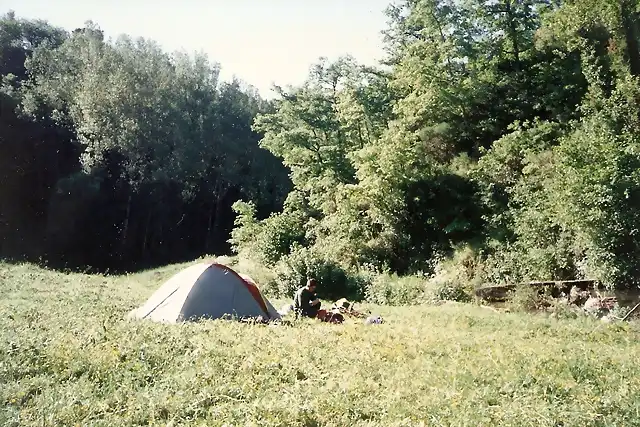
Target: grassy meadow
(68,357)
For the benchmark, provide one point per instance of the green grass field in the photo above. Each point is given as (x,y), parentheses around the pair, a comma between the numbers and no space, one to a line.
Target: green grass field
(68,358)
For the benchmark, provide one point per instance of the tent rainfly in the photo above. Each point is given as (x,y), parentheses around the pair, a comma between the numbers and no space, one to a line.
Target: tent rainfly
(206,291)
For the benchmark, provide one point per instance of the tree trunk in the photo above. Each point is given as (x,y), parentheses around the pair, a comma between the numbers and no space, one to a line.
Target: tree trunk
(216,219)
(125,227)
(630,22)
(360,138)
(146,235)
(513,33)
(212,208)
(209,226)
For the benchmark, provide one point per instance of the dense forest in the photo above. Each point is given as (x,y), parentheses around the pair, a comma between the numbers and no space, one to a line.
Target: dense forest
(503,135)
(117,155)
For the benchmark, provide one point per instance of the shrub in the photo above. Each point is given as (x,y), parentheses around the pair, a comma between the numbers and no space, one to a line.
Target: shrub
(246,226)
(334,281)
(528,298)
(268,240)
(599,188)
(389,289)
(452,280)
(449,291)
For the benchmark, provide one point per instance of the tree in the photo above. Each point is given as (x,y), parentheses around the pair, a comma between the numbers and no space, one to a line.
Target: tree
(161,149)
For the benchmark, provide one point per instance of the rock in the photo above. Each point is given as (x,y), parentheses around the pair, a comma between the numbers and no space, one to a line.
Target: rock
(578,296)
(599,307)
(592,305)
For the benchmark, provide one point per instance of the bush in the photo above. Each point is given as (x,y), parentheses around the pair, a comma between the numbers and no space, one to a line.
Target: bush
(334,281)
(528,298)
(268,240)
(528,238)
(389,289)
(450,292)
(452,279)
(599,188)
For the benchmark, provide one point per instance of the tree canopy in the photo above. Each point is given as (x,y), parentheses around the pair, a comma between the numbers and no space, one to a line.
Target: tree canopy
(118,154)
(505,126)
(508,127)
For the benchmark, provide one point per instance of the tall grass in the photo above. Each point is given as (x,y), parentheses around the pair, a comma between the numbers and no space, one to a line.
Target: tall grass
(68,357)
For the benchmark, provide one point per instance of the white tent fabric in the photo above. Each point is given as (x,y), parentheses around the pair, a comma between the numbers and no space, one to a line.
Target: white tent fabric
(206,290)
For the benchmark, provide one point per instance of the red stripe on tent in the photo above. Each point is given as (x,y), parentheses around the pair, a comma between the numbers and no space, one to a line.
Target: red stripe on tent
(253,290)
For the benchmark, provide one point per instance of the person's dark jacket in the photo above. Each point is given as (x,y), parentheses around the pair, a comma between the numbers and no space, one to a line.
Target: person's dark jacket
(302,303)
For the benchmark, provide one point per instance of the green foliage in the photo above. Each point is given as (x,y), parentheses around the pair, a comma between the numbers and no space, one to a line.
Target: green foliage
(561,200)
(246,226)
(334,281)
(268,240)
(528,298)
(452,279)
(390,289)
(518,177)
(501,168)
(19,38)
(413,290)
(97,103)
(451,292)
(169,146)
(600,187)
(501,141)
(389,186)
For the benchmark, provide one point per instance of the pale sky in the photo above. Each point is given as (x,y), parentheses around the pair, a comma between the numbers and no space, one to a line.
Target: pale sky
(260,41)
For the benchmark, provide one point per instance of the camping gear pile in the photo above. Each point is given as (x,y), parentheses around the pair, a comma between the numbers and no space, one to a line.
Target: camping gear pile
(338,312)
(344,306)
(329,316)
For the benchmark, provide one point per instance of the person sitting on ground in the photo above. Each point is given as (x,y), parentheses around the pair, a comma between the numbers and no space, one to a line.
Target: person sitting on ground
(305,301)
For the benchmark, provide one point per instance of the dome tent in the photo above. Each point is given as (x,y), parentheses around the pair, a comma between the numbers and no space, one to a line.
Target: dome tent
(205,290)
